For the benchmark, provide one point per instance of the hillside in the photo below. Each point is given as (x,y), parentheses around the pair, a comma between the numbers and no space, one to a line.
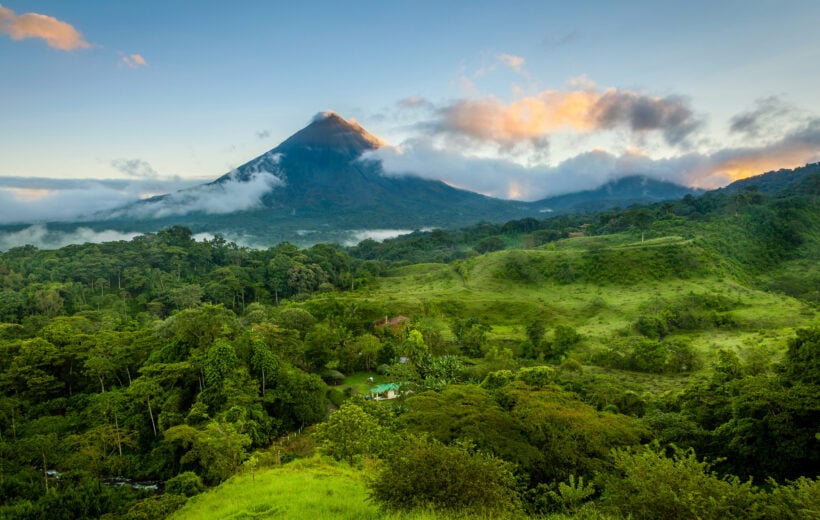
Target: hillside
(539,357)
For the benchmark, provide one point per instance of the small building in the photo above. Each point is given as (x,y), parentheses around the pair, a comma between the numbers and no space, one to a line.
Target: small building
(384,392)
(395,324)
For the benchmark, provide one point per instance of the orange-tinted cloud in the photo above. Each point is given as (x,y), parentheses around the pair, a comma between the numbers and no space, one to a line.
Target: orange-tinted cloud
(133,60)
(504,178)
(57,34)
(516,63)
(795,149)
(527,119)
(531,119)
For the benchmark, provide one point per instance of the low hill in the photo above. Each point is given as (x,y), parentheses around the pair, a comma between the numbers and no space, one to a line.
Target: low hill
(623,192)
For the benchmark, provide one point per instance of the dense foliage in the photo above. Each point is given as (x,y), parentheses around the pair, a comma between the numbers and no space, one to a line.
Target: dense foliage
(171,362)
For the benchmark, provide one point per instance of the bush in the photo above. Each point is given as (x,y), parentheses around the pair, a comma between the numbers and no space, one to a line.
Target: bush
(186,484)
(424,473)
(490,244)
(650,485)
(333,377)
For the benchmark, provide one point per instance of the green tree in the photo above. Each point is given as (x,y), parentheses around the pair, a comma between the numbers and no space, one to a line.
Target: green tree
(217,450)
(424,473)
(649,485)
(350,433)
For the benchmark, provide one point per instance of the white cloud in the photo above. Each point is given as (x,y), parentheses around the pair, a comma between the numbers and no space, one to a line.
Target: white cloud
(40,199)
(504,178)
(44,238)
(228,196)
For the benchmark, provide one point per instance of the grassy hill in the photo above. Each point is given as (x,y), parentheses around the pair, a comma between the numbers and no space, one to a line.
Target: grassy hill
(306,488)
(599,285)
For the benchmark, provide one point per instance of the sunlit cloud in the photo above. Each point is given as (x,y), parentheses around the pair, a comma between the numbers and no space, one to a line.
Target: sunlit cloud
(531,119)
(516,63)
(503,178)
(56,33)
(502,60)
(133,60)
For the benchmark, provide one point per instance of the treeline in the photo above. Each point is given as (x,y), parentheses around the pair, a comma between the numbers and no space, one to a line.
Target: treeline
(753,229)
(166,272)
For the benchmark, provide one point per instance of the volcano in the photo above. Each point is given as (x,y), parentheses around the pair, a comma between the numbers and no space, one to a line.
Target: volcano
(320,185)
(323,168)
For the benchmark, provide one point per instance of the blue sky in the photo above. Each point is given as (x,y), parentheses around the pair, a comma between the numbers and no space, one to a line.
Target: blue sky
(513,99)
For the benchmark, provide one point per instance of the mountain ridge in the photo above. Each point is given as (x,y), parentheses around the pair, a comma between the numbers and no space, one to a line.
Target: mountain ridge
(319,186)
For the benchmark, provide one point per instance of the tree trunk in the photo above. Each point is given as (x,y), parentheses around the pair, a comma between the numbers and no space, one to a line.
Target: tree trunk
(151,415)
(45,469)
(117,430)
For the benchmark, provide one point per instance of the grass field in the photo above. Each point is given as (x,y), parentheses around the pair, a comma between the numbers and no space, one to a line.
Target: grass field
(310,489)
(600,312)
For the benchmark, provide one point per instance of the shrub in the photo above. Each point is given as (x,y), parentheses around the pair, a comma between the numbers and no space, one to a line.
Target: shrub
(187,484)
(424,473)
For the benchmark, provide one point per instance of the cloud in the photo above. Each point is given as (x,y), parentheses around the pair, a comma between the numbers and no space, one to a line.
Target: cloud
(414,102)
(502,59)
(769,114)
(554,41)
(503,178)
(671,115)
(44,238)
(57,34)
(41,199)
(263,134)
(228,196)
(135,168)
(526,120)
(530,120)
(133,60)
(516,63)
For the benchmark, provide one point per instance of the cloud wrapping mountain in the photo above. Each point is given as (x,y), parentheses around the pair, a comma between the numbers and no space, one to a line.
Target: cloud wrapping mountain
(504,178)
(231,195)
(45,238)
(40,199)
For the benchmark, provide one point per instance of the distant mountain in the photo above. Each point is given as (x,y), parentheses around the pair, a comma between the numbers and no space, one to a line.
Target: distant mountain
(319,186)
(316,184)
(623,192)
(777,181)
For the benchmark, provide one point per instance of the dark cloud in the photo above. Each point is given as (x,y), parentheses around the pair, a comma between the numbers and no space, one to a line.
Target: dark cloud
(671,115)
(769,111)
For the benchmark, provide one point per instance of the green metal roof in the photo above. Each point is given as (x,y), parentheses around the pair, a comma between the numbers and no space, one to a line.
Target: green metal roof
(384,388)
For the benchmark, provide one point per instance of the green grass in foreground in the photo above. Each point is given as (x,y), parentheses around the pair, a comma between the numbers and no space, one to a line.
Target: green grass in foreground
(307,488)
